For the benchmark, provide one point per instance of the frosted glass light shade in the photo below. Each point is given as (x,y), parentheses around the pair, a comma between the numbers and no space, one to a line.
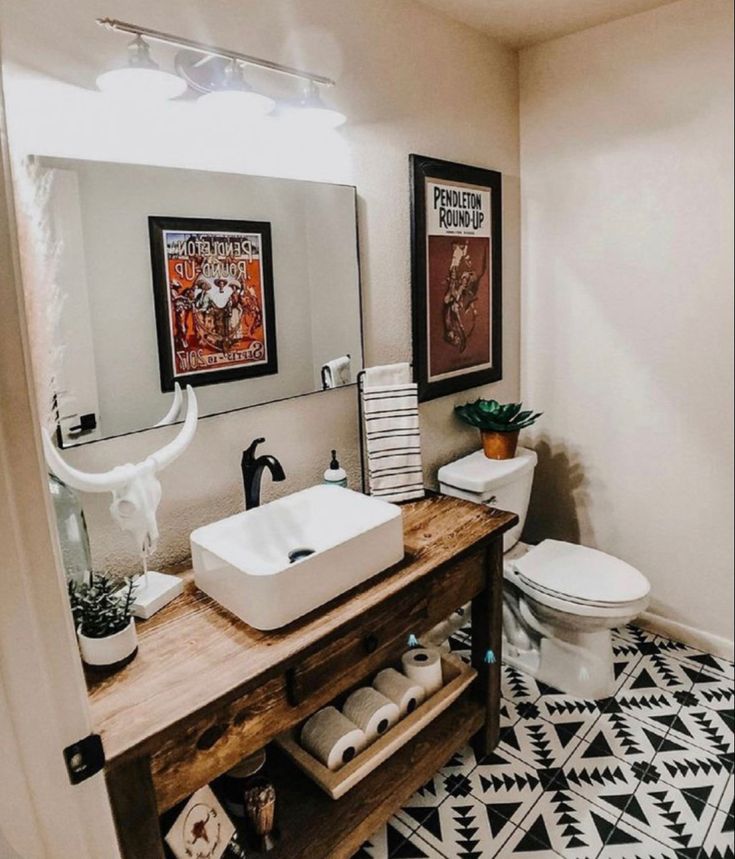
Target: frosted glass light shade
(141,84)
(317,117)
(237,103)
(310,111)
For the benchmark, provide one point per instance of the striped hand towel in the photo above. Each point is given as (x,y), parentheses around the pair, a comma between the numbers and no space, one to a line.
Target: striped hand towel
(392,434)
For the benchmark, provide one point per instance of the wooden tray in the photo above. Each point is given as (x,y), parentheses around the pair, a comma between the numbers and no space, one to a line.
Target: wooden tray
(456,676)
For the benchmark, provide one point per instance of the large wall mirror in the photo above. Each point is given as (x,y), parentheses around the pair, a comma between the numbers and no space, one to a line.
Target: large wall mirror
(246,287)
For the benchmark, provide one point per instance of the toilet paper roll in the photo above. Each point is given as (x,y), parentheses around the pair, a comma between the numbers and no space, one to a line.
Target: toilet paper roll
(404,693)
(371,711)
(332,738)
(423,666)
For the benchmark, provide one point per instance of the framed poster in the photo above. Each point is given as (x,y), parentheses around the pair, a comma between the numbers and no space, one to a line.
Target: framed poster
(213,291)
(456,256)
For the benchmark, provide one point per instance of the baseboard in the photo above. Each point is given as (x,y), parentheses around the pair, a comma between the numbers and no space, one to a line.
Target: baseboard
(696,638)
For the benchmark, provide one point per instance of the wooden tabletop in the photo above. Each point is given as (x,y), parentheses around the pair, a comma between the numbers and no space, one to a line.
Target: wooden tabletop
(194,652)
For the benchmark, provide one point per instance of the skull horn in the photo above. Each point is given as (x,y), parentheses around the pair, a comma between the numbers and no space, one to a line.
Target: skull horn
(173,412)
(106,481)
(167,454)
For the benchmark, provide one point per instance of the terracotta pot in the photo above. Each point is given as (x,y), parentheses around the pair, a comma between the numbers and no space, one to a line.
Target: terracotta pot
(111,650)
(499,445)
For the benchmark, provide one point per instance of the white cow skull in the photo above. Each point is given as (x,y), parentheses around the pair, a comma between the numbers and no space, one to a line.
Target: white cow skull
(135,489)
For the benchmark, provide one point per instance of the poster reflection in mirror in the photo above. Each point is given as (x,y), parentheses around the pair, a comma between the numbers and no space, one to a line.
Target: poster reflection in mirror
(245,286)
(213,290)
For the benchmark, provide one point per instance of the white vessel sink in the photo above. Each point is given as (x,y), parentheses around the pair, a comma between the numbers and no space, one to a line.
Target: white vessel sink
(278,562)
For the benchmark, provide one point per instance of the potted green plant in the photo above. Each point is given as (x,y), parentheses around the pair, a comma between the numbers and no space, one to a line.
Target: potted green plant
(499,425)
(102,608)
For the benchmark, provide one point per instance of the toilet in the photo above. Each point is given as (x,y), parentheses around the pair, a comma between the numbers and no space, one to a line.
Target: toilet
(561,600)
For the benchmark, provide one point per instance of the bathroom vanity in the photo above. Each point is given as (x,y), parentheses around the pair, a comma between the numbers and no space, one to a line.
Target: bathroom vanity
(206,689)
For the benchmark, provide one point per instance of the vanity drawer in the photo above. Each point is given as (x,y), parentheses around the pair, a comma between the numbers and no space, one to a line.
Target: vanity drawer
(212,742)
(208,745)
(455,585)
(376,637)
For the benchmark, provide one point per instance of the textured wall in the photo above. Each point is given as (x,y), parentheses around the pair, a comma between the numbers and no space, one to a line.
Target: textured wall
(409,79)
(627,199)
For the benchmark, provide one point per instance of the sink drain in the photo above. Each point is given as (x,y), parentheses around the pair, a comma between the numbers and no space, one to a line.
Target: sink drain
(299,554)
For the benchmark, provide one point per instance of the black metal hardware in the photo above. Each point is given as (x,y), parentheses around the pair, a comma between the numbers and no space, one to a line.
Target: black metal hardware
(252,472)
(371,643)
(361,430)
(87,423)
(84,759)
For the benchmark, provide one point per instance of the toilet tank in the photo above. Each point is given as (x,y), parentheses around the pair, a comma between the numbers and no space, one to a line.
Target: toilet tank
(503,483)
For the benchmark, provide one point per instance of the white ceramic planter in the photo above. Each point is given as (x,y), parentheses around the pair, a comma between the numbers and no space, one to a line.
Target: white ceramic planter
(110,650)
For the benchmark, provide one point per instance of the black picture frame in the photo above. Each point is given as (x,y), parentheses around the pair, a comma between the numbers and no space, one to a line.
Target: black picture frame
(158,226)
(422,170)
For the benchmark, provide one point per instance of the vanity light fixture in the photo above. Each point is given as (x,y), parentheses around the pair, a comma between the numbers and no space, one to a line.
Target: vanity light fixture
(141,77)
(236,95)
(217,74)
(311,109)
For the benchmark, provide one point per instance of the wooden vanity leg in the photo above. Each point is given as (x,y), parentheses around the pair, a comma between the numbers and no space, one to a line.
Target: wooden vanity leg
(133,800)
(487,636)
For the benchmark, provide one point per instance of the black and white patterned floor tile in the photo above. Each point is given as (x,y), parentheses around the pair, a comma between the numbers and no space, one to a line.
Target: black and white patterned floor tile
(394,840)
(645,774)
(516,686)
(719,841)
(697,658)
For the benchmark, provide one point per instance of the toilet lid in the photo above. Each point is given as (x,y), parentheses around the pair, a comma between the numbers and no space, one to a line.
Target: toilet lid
(581,575)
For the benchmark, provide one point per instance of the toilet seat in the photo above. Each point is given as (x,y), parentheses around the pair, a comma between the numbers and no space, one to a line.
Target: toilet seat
(576,579)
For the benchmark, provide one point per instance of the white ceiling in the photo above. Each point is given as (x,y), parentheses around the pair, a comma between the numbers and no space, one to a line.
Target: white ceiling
(520,23)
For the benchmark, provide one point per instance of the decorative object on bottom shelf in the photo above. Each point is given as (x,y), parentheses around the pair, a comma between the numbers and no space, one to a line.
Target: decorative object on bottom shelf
(456,677)
(499,425)
(371,711)
(423,665)
(404,693)
(260,807)
(332,738)
(202,830)
(102,609)
(232,785)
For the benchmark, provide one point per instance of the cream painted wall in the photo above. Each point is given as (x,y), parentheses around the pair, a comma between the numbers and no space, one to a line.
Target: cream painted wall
(409,79)
(628,283)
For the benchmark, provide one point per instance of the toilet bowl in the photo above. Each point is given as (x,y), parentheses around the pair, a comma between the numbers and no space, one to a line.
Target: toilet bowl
(561,600)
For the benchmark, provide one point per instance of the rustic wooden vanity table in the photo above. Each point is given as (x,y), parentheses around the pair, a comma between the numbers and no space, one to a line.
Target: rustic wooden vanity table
(205,689)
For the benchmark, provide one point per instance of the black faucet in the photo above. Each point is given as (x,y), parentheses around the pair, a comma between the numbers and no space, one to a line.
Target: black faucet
(252,473)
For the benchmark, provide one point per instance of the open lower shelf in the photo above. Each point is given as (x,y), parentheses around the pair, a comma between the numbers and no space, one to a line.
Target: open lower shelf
(313,826)
(456,678)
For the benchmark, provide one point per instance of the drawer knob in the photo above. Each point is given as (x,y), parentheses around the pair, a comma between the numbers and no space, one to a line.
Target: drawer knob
(371,643)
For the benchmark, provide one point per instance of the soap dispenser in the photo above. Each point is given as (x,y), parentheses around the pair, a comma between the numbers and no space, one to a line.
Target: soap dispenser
(335,475)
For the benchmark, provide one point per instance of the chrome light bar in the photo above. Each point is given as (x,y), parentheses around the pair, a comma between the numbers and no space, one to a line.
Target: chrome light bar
(212,51)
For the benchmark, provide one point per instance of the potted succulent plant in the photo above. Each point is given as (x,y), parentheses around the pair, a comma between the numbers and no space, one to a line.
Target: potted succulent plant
(102,609)
(499,425)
